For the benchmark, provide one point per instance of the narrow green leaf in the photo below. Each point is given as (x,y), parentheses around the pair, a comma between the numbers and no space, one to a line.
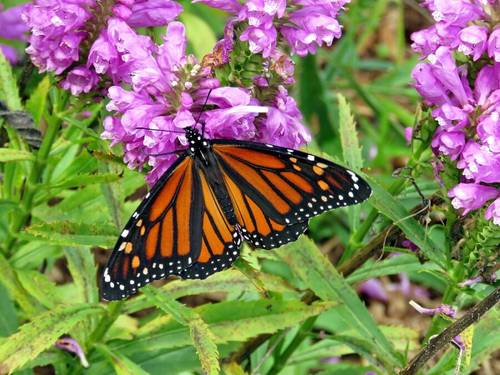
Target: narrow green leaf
(121,364)
(201,37)
(83,270)
(9,155)
(38,100)
(350,149)
(9,92)
(40,334)
(65,233)
(85,179)
(390,207)
(304,257)
(202,337)
(389,266)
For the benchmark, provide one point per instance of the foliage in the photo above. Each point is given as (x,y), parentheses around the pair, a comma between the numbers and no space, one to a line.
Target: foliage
(62,206)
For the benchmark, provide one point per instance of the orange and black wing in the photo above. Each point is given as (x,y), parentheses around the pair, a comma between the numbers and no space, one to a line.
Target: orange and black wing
(178,227)
(275,190)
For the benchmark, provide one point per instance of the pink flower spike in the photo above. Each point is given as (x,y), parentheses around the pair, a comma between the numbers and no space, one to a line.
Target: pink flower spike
(72,346)
(446,310)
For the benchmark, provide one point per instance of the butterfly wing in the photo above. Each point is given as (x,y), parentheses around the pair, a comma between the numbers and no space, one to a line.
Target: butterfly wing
(275,190)
(180,226)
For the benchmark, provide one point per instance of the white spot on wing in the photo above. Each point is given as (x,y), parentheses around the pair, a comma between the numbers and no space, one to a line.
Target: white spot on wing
(125,233)
(310,157)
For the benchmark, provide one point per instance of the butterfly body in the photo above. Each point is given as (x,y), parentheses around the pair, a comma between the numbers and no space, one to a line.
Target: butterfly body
(217,194)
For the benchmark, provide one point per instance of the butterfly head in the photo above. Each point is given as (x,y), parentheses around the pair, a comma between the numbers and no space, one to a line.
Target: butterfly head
(196,141)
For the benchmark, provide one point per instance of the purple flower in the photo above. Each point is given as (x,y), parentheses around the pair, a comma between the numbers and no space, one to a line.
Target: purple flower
(260,39)
(72,346)
(307,25)
(450,143)
(440,81)
(446,310)
(12,28)
(98,35)
(230,6)
(373,289)
(426,41)
(473,41)
(493,211)
(314,26)
(408,135)
(12,25)
(80,79)
(478,279)
(469,197)
(150,13)
(410,245)
(488,130)
(494,45)
(10,53)
(479,163)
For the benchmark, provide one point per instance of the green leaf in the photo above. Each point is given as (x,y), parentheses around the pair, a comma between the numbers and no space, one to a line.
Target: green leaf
(229,321)
(348,135)
(9,280)
(83,271)
(350,149)
(38,100)
(121,364)
(40,334)
(40,287)
(84,180)
(304,258)
(65,233)
(229,281)
(389,266)
(8,317)
(9,155)
(9,92)
(202,337)
(394,210)
(201,37)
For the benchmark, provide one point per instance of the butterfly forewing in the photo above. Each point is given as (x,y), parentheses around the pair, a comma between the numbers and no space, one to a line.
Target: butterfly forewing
(287,186)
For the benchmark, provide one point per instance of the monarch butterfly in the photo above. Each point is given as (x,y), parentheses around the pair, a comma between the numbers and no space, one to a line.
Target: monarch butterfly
(217,194)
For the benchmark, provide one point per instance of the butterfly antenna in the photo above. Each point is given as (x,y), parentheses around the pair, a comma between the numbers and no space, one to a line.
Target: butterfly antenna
(201,112)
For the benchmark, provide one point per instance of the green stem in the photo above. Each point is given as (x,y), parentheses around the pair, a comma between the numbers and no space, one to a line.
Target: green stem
(106,322)
(300,336)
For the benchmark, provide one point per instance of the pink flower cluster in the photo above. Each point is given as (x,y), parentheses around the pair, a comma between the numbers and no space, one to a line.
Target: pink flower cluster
(77,38)
(166,93)
(465,102)
(304,25)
